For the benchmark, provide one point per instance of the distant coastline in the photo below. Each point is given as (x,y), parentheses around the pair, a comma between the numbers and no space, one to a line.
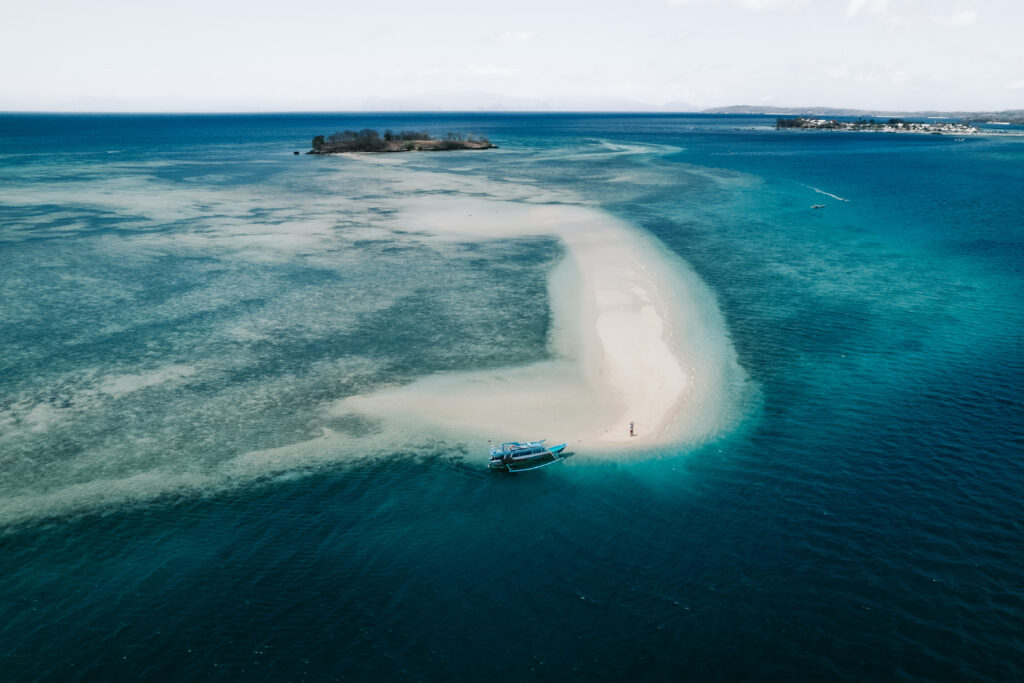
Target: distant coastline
(888,126)
(1006,116)
(369,140)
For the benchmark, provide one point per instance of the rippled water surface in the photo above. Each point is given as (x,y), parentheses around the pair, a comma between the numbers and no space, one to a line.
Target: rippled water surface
(181,297)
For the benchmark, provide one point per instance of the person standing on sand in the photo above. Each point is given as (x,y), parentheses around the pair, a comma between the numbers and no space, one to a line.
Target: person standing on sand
(631,429)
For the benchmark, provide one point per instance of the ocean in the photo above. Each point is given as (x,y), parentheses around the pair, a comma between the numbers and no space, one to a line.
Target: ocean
(184,304)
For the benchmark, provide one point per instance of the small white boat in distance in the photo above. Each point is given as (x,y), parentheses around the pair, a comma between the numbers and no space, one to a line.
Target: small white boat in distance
(513,456)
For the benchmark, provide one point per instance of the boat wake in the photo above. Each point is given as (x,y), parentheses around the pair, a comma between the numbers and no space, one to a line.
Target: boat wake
(827,194)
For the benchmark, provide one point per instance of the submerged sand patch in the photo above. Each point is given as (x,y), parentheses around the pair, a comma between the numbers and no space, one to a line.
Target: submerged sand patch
(634,336)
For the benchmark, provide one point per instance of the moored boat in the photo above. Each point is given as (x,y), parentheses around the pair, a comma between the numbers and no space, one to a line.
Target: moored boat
(513,456)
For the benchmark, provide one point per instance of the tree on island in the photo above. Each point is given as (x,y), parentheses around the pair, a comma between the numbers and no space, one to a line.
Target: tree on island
(366,140)
(798,122)
(369,140)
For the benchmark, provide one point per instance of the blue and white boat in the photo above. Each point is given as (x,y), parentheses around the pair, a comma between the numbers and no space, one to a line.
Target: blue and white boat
(513,456)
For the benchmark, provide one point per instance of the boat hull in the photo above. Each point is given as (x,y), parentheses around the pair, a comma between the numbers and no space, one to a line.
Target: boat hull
(511,462)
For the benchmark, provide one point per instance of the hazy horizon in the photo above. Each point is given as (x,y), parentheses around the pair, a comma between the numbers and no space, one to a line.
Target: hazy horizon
(427,106)
(657,55)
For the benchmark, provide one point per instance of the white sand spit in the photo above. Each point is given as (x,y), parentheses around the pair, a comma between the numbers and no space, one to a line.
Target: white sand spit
(628,320)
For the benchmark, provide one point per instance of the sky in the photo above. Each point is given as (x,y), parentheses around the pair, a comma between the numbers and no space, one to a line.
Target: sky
(680,55)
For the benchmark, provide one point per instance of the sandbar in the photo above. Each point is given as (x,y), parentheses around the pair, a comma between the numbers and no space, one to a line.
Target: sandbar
(632,341)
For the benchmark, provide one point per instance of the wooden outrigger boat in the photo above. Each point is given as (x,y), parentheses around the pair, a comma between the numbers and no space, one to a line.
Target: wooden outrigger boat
(513,456)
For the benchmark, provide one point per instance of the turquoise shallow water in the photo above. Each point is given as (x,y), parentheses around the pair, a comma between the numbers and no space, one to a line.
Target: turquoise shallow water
(863,520)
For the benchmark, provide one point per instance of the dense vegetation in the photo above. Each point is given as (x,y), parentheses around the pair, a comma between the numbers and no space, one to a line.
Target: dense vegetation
(797,122)
(369,140)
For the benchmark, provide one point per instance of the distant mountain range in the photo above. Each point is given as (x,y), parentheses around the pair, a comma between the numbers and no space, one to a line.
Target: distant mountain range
(434,101)
(469,101)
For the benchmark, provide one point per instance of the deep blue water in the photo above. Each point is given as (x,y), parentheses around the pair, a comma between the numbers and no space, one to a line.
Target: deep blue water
(865,520)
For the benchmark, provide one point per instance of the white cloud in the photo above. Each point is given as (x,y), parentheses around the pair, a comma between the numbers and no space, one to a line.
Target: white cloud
(875,74)
(516,36)
(877,8)
(757,5)
(1015,85)
(959,17)
(774,4)
(489,70)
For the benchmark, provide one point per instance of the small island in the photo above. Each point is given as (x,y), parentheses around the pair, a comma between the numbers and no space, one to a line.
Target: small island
(369,140)
(871,125)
